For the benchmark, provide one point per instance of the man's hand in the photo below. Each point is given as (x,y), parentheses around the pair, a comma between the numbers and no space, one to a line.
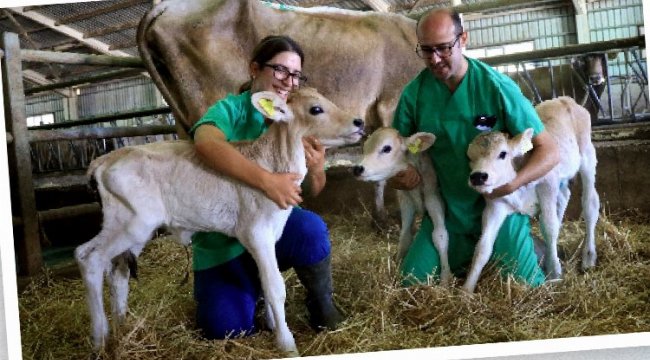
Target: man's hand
(406,179)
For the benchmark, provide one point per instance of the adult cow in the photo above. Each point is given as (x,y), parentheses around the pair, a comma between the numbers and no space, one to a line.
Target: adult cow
(198,51)
(584,79)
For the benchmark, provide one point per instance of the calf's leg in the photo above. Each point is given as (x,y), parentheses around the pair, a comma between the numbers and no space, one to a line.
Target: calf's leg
(407,214)
(547,194)
(94,259)
(590,206)
(261,246)
(493,216)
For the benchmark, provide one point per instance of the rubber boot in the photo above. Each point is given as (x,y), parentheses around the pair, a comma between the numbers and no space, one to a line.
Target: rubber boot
(317,280)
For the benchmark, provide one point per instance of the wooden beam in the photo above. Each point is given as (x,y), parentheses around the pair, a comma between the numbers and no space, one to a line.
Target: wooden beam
(55,71)
(98,12)
(582,21)
(567,50)
(39,79)
(81,59)
(481,6)
(111,29)
(29,246)
(94,78)
(378,5)
(580,6)
(96,45)
(63,42)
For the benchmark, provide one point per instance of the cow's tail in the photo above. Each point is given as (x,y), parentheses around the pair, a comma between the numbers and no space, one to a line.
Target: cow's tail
(145,24)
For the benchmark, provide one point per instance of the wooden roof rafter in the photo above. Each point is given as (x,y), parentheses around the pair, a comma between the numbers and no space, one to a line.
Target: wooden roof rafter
(94,44)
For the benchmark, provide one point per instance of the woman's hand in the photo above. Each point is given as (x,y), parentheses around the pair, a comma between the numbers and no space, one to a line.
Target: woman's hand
(282,189)
(314,153)
(217,153)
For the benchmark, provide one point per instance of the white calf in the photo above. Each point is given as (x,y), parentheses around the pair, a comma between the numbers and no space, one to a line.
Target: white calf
(165,184)
(386,153)
(494,160)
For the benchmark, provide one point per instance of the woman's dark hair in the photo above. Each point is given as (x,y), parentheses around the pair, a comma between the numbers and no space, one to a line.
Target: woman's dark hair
(268,48)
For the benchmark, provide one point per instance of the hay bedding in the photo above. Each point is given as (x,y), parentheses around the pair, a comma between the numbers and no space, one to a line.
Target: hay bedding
(614,298)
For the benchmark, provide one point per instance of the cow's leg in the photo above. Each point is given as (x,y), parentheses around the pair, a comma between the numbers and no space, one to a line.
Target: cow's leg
(493,217)
(261,246)
(590,206)
(440,238)
(547,195)
(408,209)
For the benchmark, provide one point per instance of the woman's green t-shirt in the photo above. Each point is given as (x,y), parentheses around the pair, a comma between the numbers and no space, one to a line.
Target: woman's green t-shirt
(239,120)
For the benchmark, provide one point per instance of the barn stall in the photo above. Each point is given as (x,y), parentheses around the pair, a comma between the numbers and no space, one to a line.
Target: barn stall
(46,79)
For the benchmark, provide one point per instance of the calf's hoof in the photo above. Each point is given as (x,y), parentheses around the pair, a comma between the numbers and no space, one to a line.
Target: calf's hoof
(588,262)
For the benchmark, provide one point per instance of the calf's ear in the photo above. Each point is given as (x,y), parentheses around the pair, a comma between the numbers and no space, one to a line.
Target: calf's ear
(419,142)
(271,106)
(522,143)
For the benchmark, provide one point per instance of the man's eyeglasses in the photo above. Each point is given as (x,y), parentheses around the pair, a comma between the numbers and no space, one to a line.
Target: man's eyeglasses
(443,51)
(282,73)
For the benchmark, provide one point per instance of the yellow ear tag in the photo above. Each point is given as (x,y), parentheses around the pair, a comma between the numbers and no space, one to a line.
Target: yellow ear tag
(414,147)
(526,146)
(267,105)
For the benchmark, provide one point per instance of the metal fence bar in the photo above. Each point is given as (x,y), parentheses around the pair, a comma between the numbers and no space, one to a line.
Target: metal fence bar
(103,118)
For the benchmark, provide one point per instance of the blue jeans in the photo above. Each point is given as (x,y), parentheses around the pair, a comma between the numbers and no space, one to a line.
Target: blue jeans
(226,294)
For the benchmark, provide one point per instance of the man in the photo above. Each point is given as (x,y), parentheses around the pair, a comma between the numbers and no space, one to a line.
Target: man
(456,98)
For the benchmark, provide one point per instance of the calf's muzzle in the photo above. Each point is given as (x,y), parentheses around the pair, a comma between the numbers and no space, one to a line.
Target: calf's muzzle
(478,178)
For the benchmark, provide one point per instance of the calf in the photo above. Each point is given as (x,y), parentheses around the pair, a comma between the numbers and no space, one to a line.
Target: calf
(386,153)
(165,184)
(494,161)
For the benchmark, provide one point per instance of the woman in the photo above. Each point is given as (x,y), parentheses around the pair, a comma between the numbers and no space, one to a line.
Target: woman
(226,283)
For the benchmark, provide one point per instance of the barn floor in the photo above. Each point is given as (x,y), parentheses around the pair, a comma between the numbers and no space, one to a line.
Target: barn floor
(614,298)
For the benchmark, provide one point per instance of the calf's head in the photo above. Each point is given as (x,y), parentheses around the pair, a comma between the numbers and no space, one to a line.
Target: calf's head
(311,114)
(385,153)
(491,158)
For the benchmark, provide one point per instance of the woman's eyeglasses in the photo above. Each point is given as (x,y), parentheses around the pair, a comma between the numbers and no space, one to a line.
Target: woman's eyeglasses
(282,73)
(443,51)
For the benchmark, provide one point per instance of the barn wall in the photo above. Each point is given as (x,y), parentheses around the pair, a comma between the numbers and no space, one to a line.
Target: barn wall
(100,99)
(547,27)
(46,104)
(117,97)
